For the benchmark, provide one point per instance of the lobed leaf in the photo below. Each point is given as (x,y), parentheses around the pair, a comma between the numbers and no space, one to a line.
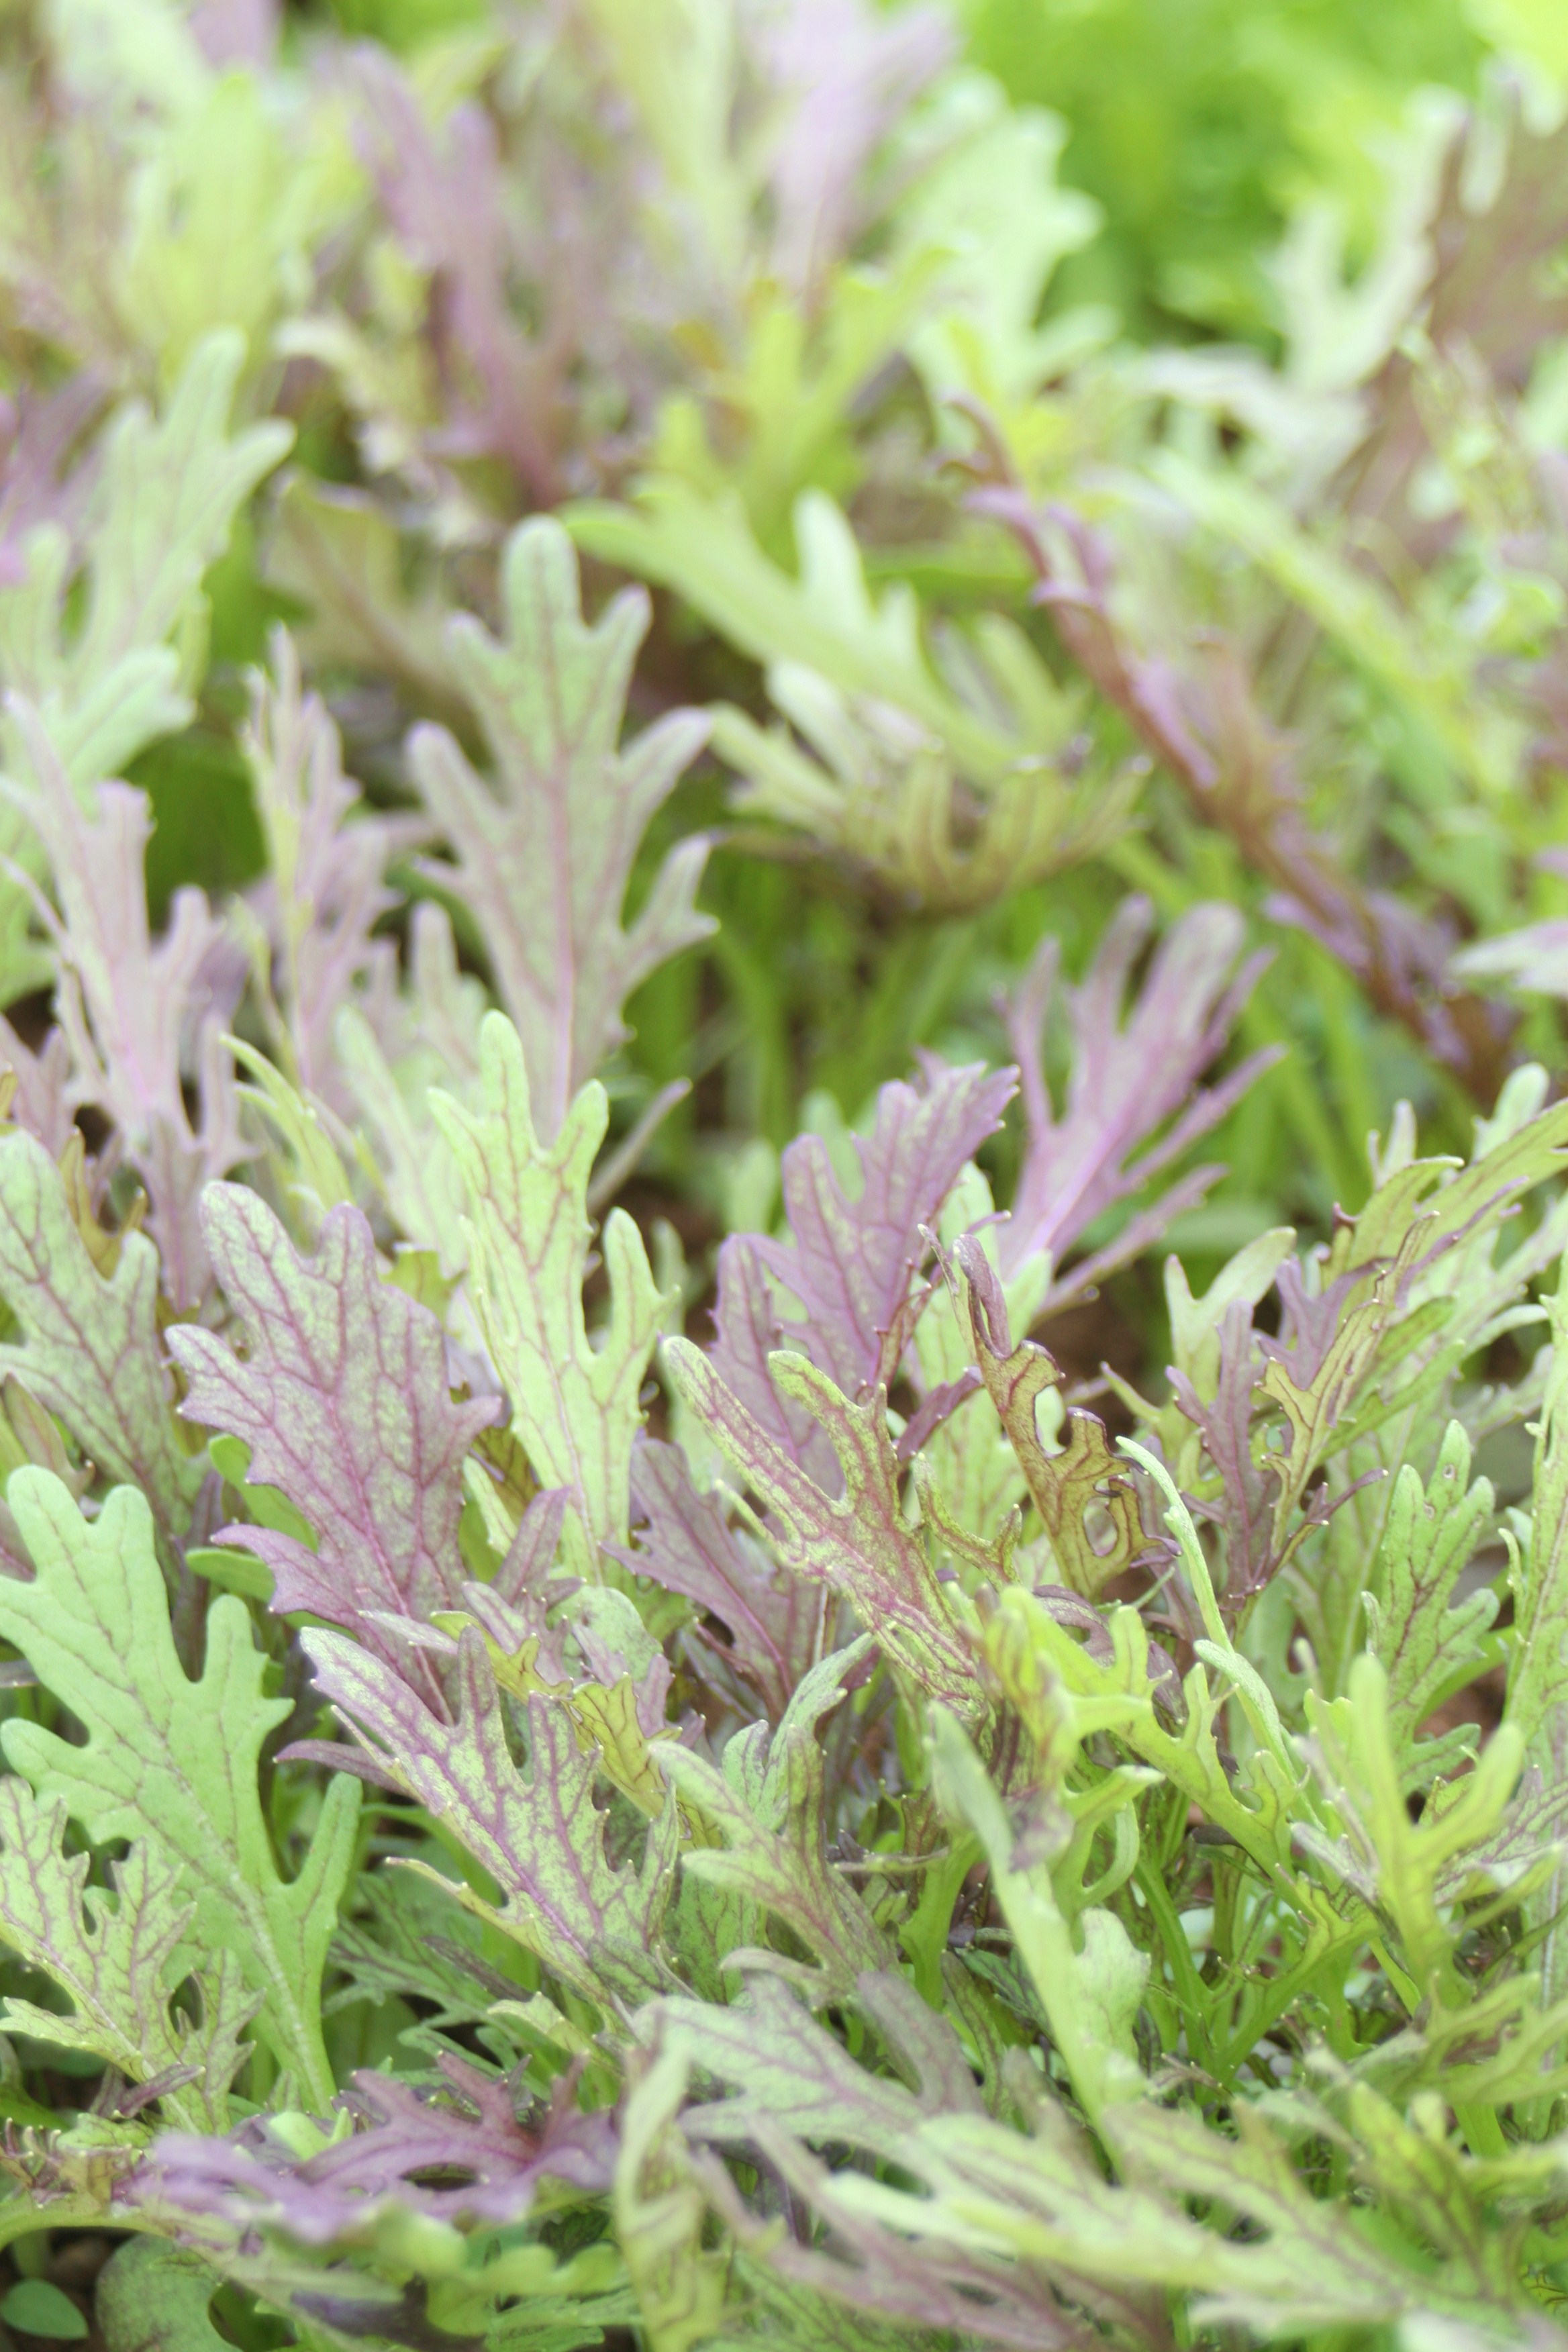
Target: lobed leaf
(171,1759)
(456,2149)
(541,1838)
(89,1347)
(119,1956)
(1128,1080)
(576,1403)
(859,1544)
(544,864)
(342,1395)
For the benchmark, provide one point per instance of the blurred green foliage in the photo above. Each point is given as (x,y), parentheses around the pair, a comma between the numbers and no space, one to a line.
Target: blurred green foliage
(1202,127)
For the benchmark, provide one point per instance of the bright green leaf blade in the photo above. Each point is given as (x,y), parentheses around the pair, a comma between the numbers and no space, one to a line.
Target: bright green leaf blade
(118,1958)
(576,1401)
(41,2309)
(169,1759)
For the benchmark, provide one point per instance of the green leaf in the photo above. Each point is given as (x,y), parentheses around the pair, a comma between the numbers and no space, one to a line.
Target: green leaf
(884,793)
(338,553)
(1409,1873)
(825,619)
(235,1571)
(767,1802)
(658,2213)
(161,511)
(541,1838)
(576,1401)
(173,1759)
(117,1957)
(968,1459)
(1427,1646)
(1090,1976)
(41,2309)
(153,2297)
(1084,1500)
(543,863)
(1538,1673)
(89,1347)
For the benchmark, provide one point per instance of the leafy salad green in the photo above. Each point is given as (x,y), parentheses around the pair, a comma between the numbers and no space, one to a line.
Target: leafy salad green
(784,1193)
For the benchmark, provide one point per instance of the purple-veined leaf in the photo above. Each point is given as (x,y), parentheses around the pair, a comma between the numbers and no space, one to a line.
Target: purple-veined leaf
(856,1544)
(792,2082)
(466,2126)
(783,2065)
(849,1263)
(544,853)
(391,1049)
(141,1014)
(576,1401)
(1128,1077)
(685,1543)
(342,1396)
(118,1956)
(89,1346)
(88,634)
(541,1837)
(327,858)
(767,1804)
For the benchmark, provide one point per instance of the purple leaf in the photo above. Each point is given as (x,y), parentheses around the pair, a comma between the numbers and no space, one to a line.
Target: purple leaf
(328,858)
(447,203)
(849,1263)
(544,855)
(140,1014)
(1204,723)
(236,32)
(524,1573)
(846,72)
(41,1103)
(937,1406)
(343,1399)
(542,1838)
(467,2128)
(686,1544)
(38,435)
(1129,1078)
(1244,1508)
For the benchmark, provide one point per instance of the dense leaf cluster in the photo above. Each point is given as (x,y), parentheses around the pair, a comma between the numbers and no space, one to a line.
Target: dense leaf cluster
(614,1729)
